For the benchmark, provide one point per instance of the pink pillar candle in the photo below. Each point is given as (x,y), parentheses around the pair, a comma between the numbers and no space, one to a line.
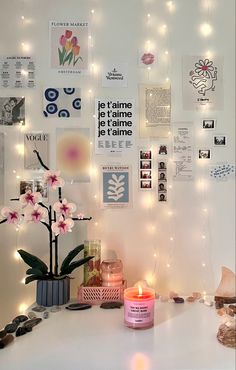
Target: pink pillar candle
(139,307)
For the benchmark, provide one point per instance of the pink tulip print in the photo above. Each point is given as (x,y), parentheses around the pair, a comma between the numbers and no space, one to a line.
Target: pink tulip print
(69,49)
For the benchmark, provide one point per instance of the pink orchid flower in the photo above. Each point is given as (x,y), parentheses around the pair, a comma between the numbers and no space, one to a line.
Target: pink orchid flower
(35,214)
(64,208)
(62,226)
(80,216)
(53,179)
(12,216)
(30,198)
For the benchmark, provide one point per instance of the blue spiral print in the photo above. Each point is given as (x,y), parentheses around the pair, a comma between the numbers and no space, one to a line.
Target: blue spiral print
(51,108)
(69,90)
(63,113)
(76,103)
(51,94)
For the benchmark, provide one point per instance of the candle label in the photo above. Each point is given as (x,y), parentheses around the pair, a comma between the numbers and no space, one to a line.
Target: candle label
(139,312)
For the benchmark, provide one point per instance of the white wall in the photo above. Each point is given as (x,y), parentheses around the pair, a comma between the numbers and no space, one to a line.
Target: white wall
(119,29)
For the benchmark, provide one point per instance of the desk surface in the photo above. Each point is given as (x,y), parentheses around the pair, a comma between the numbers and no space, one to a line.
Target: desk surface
(184,337)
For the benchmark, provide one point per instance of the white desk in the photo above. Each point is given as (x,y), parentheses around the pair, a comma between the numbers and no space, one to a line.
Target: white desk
(184,337)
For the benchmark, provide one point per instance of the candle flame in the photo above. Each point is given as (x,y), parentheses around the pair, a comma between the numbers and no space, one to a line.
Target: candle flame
(140,290)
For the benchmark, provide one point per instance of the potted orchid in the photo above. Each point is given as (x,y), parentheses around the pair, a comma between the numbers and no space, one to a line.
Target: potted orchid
(53,284)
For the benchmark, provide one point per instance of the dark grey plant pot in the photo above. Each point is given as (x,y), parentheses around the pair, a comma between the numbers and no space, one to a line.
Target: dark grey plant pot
(53,292)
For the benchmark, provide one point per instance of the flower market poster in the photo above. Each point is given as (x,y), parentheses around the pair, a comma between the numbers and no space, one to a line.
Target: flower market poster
(202,82)
(69,46)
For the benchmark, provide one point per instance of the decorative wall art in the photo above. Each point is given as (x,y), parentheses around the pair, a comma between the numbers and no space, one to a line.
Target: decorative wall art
(62,103)
(114,125)
(73,153)
(204,154)
(202,82)
(145,169)
(115,75)
(162,180)
(35,141)
(1,167)
(182,135)
(155,110)
(116,186)
(41,187)
(17,72)
(222,171)
(209,124)
(26,185)
(219,140)
(12,111)
(146,59)
(69,46)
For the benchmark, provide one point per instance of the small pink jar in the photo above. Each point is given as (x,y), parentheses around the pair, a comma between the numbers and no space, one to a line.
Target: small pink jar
(111,273)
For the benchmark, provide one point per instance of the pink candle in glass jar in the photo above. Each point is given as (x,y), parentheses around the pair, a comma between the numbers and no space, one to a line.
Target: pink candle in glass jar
(111,273)
(139,306)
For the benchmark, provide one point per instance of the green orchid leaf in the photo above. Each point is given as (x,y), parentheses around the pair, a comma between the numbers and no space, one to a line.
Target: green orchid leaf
(76,264)
(33,261)
(31,278)
(71,256)
(34,271)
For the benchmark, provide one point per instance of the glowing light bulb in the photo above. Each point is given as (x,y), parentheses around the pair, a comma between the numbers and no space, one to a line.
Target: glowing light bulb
(206,29)
(14,171)
(170,213)
(22,308)
(20,149)
(205,210)
(167,79)
(18,177)
(22,281)
(166,52)
(22,17)
(170,186)
(203,264)
(149,15)
(95,196)
(96,223)
(149,68)
(155,255)
(203,236)
(16,256)
(168,265)
(171,238)
(25,46)
(90,91)
(92,11)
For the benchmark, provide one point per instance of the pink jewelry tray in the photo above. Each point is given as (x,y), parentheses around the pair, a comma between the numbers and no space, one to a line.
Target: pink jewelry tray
(100,294)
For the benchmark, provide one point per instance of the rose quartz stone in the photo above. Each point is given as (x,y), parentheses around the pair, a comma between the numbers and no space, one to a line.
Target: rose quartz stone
(190,299)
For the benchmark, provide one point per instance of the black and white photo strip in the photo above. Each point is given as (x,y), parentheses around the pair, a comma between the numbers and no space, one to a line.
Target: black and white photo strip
(162,181)
(36,185)
(145,169)
(220,140)
(204,154)
(209,124)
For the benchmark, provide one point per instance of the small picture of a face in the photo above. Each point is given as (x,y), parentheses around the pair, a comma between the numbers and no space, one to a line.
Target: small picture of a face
(146,184)
(162,197)
(146,174)
(145,165)
(162,150)
(161,187)
(162,166)
(209,124)
(219,140)
(204,154)
(162,176)
(145,154)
